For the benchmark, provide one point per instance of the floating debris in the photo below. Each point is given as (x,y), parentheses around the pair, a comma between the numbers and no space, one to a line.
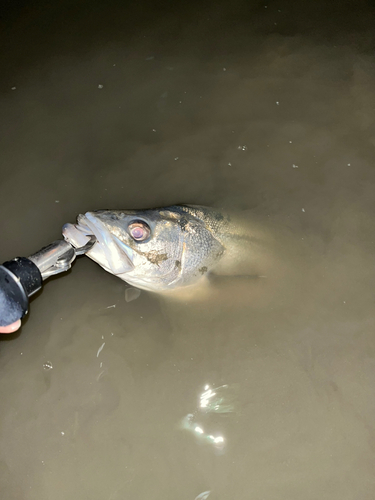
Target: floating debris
(47,365)
(203,496)
(100,349)
(242,148)
(100,375)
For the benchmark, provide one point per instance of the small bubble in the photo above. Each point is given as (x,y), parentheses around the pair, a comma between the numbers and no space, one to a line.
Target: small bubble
(114,65)
(176,158)
(154,129)
(100,86)
(277,103)
(230,164)
(348,164)
(242,148)
(290,142)
(303,210)
(295,166)
(62,433)
(13,88)
(47,365)
(224,69)
(57,201)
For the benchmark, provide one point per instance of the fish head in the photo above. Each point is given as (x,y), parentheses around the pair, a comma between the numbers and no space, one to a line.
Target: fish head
(156,250)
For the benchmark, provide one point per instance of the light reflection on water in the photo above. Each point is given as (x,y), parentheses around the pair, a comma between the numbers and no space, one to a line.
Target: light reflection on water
(220,400)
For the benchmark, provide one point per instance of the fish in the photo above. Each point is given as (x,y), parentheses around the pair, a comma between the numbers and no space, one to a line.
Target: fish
(162,249)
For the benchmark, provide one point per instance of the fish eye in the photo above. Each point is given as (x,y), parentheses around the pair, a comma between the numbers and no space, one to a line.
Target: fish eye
(139,230)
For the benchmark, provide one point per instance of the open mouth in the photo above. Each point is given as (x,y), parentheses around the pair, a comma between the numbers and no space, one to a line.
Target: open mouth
(117,255)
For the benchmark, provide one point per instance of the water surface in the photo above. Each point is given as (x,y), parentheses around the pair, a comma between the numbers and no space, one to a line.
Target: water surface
(265,108)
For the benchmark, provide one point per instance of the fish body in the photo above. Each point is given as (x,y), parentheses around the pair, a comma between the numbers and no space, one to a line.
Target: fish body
(157,249)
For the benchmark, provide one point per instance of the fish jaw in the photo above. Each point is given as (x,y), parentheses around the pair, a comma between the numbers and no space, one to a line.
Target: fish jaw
(108,251)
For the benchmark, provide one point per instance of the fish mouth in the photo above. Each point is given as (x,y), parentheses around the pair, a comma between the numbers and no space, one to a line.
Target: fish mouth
(111,253)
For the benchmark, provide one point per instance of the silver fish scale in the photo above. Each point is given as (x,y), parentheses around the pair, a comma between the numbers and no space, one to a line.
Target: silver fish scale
(214,220)
(202,250)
